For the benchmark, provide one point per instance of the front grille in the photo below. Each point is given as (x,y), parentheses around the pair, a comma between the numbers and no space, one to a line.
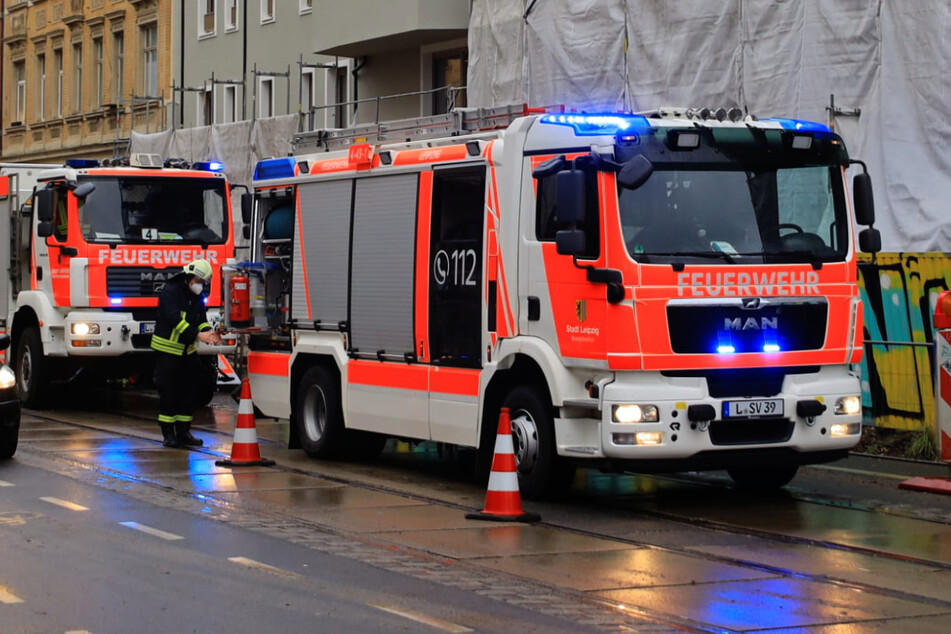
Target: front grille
(137,281)
(751,431)
(775,324)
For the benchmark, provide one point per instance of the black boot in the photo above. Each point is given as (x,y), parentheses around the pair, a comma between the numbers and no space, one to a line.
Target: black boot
(168,435)
(185,438)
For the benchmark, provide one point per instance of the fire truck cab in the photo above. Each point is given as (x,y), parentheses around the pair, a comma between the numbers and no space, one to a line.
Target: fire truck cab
(90,252)
(668,291)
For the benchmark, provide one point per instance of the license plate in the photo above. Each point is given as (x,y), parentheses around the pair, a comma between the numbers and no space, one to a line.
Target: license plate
(753,408)
(147,328)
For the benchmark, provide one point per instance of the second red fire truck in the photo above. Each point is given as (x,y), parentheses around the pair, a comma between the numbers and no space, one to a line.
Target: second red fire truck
(674,290)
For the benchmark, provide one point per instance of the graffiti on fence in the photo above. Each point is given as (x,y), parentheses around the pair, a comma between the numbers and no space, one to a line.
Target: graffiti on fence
(899,291)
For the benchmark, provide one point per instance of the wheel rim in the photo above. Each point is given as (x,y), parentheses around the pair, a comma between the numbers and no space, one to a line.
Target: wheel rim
(315,413)
(525,435)
(26,369)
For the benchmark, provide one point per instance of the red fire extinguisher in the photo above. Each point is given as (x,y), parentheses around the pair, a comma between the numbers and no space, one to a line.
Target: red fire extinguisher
(240,301)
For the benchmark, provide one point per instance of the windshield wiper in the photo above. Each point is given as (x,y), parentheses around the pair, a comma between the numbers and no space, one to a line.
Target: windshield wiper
(719,255)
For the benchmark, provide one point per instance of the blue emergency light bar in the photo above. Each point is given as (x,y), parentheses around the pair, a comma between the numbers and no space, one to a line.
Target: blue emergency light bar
(275,168)
(798,125)
(598,124)
(82,163)
(208,166)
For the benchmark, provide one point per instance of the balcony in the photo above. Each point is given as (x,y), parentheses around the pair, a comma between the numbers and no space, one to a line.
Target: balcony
(387,26)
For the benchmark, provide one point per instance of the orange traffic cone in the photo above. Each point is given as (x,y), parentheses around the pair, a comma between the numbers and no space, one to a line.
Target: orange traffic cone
(244,450)
(502,500)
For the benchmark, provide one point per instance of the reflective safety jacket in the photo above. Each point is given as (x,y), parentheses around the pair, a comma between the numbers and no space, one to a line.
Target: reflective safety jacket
(181,316)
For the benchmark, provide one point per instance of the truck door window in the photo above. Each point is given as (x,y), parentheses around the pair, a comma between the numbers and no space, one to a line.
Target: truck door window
(60,215)
(546,214)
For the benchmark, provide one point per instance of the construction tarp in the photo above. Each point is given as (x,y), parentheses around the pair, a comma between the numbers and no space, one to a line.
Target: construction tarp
(887,63)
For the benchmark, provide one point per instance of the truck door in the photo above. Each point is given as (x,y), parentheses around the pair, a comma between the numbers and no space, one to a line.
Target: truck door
(454,301)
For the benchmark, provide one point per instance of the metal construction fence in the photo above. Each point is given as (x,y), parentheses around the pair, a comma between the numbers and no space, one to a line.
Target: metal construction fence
(898,384)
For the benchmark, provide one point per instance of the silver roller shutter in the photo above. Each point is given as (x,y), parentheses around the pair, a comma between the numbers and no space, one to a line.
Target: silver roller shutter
(322,251)
(384,228)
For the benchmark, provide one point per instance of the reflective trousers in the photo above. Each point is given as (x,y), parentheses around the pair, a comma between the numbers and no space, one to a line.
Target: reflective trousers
(177,380)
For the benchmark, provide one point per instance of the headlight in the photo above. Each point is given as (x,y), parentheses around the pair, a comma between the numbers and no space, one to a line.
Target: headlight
(653,438)
(634,414)
(7,378)
(81,329)
(849,405)
(845,429)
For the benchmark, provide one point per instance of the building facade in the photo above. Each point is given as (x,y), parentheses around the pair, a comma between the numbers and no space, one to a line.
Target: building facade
(79,75)
(251,59)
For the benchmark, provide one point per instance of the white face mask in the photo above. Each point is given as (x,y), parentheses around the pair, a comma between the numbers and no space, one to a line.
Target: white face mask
(197,287)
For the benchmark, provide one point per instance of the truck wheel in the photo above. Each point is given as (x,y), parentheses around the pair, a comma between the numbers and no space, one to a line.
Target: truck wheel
(763,478)
(541,472)
(31,369)
(207,382)
(9,434)
(319,417)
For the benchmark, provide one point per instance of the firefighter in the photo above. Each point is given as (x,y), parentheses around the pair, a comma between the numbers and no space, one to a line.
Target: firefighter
(179,325)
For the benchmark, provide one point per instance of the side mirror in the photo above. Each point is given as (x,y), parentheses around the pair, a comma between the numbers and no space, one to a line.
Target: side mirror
(569,197)
(43,203)
(84,189)
(864,203)
(635,172)
(870,240)
(44,229)
(246,208)
(4,341)
(550,167)
(569,242)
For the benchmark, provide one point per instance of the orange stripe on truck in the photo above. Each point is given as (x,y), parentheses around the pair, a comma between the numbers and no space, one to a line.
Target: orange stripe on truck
(269,363)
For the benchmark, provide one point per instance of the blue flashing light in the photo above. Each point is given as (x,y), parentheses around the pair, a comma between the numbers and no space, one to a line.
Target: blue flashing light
(798,125)
(209,166)
(115,301)
(275,168)
(726,349)
(771,347)
(598,124)
(82,163)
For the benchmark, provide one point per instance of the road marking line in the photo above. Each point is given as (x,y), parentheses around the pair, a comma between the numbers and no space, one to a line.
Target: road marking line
(65,504)
(431,621)
(8,597)
(4,483)
(151,531)
(250,563)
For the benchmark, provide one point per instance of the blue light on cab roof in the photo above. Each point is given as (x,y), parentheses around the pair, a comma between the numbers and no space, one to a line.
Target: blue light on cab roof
(209,166)
(598,124)
(798,125)
(275,168)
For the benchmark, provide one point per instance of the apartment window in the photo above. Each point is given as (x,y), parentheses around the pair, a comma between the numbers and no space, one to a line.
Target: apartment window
(206,17)
(230,112)
(19,72)
(267,11)
(150,59)
(306,6)
(306,89)
(58,82)
(206,107)
(97,56)
(231,15)
(118,49)
(41,87)
(265,97)
(449,70)
(341,93)
(78,78)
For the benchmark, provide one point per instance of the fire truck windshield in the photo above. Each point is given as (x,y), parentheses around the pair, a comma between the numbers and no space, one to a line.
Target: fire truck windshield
(740,198)
(155,209)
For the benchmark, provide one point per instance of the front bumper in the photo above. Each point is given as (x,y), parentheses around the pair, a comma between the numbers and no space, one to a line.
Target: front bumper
(675,439)
(112,334)
(9,409)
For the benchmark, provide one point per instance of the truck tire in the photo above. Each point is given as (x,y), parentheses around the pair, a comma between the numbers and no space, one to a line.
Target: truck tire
(542,474)
(31,369)
(763,478)
(207,381)
(318,417)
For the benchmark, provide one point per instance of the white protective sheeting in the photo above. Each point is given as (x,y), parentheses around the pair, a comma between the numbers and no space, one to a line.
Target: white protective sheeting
(889,58)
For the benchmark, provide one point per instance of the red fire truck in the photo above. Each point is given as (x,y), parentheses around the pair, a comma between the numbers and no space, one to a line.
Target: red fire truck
(667,291)
(89,254)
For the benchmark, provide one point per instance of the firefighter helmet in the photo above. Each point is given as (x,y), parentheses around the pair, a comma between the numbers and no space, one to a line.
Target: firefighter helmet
(199,268)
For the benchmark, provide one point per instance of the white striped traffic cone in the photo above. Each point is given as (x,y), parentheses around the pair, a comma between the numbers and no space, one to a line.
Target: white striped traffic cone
(503,502)
(244,450)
